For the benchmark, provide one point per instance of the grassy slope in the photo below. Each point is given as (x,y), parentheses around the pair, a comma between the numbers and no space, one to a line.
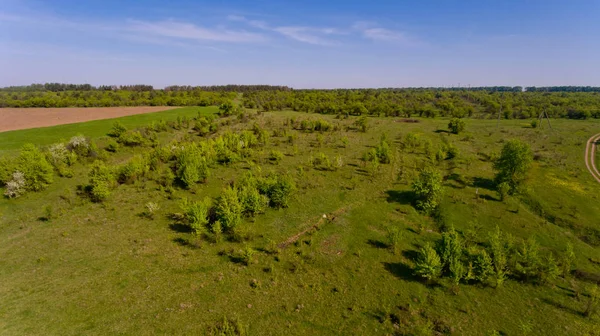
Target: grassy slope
(102,269)
(13,140)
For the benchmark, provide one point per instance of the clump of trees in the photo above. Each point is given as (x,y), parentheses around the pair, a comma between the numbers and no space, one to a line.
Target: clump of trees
(502,256)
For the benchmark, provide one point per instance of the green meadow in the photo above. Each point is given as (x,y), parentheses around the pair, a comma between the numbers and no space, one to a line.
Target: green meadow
(340,259)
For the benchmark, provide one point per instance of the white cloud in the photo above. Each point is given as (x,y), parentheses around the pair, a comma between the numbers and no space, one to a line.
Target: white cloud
(309,35)
(382,34)
(184,30)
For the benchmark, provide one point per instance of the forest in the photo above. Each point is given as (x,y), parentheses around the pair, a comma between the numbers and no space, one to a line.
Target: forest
(477,102)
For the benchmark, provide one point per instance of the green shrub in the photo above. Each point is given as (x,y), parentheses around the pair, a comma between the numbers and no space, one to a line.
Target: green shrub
(252,201)
(228,209)
(411,142)
(483,266)
(117,130)
(394,237)
(112,146)
(132,139)
(192,166)
(383,152)
(101,182)
(499,256)
(217,230)
(428,263)
(529,262)
(151,209)
(133,170)
(428,190)
(452,152)
(457,125)
(321,162)
(362,124)
(278,188)
(275,156)
(534,123)
(568,257)
(227,327)
(196,214)
(37,172)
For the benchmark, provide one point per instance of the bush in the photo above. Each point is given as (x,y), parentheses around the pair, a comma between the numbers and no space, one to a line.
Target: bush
(394,236)
(196,214)
(278,188)
(227,327)
(252,201)
(102,180)
(16,186)
(411,142)
(483,266)
(228,209)
(132,139)
(456,125)
(499,256)
(37,172)
(534,123)
(362,123)
(321,162)
(383,152)
(428,190)
(275,156)
(112,146)
(151,209)
(117,130)
(133,170)
(428,263)
(192,166)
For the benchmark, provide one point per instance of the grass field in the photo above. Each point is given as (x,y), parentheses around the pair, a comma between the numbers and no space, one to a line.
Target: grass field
(13,140)
(104,268)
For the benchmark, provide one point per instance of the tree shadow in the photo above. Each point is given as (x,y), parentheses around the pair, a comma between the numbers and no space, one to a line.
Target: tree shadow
(402,271)
(441,131)
(489,198)
(562,307)
(484,183)
(377,244)
(186,243)
(180,228)
(402,197)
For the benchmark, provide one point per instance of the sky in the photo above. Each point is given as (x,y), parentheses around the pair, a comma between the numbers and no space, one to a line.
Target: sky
(301,44)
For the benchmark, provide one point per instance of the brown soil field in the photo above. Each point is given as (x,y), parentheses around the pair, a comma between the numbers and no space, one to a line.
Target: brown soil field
(23,118)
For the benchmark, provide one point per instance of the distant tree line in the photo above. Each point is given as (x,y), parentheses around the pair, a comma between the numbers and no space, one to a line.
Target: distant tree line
(563,89)
(228,88)
(61,87)
(430,103)
(99,98)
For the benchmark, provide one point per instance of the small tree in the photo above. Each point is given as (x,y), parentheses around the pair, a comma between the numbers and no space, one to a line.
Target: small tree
(428,263)
(513,164)
(228,209)
(362,123)
(499,258)
(503,190)
(483,266)
(394,236)
(568,257)
(457,125)
(196,214)
(428,190)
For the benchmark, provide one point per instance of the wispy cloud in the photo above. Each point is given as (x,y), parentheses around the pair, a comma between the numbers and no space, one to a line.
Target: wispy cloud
(310,35)
(189,31)
(373,31)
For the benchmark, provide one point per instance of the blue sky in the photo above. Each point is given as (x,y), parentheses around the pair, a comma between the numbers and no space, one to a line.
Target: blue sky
(303,44)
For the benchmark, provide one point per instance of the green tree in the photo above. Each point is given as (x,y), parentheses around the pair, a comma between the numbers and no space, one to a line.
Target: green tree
(428,263)
(513,164)
(228,209)
(428,190)
(457,125)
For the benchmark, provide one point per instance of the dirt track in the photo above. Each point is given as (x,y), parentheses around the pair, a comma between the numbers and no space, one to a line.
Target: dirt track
(23,118)
(590,156)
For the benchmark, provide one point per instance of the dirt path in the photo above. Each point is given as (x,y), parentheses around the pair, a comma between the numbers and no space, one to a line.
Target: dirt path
(23,118)
(590,157)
